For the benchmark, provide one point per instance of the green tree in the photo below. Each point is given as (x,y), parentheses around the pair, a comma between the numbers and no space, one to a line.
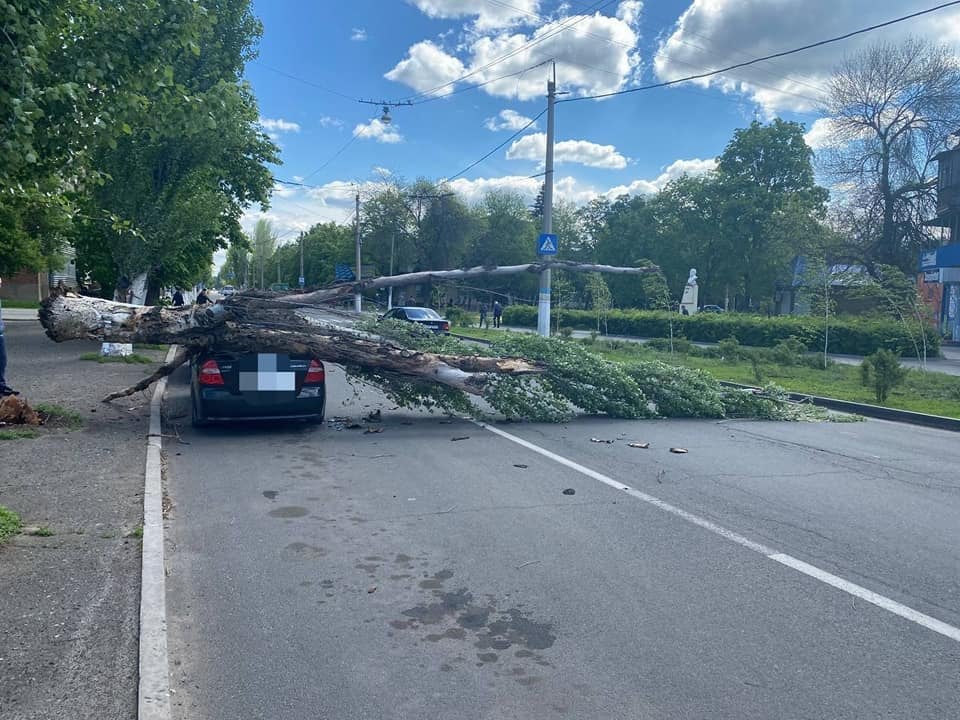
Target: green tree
(263,242)
(175,186)
(764,171)
(78,77)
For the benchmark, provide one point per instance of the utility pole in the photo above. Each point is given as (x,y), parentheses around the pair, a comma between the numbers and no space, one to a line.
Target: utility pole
(543,303)
(301,279)
(358,296)
(393,239)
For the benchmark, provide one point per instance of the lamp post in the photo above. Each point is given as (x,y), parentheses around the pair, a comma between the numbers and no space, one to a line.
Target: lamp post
(358,296)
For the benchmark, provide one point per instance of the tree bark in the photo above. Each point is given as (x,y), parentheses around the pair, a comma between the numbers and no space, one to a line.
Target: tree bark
(240,329)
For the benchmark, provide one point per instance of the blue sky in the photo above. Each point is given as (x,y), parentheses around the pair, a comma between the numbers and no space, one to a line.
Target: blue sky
(318,59)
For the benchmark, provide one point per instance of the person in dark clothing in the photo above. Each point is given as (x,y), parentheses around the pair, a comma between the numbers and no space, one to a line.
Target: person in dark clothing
(202,298)
(483,315)
(497,313)
(4,388)
(177,298)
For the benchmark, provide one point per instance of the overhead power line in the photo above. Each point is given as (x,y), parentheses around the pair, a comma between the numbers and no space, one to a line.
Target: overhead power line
(754,61)
(515,135)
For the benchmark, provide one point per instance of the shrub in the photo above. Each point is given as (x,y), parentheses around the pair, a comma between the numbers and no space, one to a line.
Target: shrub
(729,350)
(680,345)
(789,351)
(459,317)
(883,372)
(852,336)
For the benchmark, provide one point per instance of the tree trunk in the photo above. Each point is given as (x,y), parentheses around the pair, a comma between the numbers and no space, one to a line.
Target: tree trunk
(241,329)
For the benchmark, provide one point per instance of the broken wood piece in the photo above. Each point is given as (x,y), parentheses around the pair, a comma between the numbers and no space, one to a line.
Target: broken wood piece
(678,450)
(642,446)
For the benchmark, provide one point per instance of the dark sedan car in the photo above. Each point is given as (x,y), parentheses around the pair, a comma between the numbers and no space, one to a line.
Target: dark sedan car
(426,317)
(256,386)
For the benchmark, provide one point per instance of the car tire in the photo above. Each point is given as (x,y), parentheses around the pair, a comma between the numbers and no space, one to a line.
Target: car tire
(196,417)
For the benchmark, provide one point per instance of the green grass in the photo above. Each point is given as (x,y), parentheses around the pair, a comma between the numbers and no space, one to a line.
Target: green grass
(150,346)
(19,434)
(42,531)
(137,532)
(69,418)
(21,304)
(924,392)
(133,359)
(9,523)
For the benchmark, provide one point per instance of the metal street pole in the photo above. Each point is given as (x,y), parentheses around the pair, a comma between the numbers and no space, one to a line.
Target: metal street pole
(393,238)
(357,305)
(543,304)
(301,278)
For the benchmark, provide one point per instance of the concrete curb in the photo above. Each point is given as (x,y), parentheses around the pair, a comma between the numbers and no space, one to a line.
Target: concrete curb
(874,411)
(153,695)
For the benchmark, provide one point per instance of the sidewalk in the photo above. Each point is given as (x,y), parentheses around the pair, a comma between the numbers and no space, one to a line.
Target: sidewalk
(19,314)
(949,364)
(69,615)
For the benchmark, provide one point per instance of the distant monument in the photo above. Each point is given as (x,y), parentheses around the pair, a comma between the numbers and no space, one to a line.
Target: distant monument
(691,295)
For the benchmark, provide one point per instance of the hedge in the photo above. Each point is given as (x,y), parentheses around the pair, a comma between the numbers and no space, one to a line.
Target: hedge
(847,336)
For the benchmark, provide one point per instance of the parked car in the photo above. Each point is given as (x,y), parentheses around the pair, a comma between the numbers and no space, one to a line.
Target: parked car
(427,317)
(256,386)
(280,287)
(712,309)
(227,290)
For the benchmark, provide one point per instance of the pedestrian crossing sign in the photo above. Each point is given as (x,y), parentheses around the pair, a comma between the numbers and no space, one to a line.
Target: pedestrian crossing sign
(547,244)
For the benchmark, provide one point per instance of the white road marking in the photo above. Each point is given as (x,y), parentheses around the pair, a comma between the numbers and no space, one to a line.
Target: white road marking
(881,601)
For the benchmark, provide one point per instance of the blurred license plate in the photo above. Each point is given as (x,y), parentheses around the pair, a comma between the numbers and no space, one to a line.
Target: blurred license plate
(272,375)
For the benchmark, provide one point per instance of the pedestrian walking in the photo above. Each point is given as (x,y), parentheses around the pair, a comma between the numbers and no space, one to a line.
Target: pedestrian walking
(483,315)
(497,313)
(4,388)
(177,298)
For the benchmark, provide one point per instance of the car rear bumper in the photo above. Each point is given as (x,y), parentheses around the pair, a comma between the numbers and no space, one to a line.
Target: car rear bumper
(221,405)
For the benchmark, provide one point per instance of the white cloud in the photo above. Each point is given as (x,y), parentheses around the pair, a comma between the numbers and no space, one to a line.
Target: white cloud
(426,67)
(327,121)
(822,134)
(376,130)
(716,33)
(381,171)
(565,188)
(488,14)
(595,54)
(583,152)
(676,169)
(507,120)
(278,125)
(629,11)
(358,34)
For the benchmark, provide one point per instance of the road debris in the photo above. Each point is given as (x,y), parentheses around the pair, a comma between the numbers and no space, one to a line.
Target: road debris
(460,437)
(520,465)
(642,446)
(599,440)
(370,431)
(678,450)
(373,417)
(529,562)
(569,491)
(371,589)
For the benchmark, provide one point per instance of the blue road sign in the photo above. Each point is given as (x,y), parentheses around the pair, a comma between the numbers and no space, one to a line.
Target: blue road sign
(302,281)
(547,244)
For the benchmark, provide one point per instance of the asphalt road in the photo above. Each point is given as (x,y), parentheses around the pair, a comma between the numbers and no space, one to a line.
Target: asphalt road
(318,572)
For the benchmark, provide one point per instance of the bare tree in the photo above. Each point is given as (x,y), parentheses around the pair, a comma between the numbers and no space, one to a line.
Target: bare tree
(892,108)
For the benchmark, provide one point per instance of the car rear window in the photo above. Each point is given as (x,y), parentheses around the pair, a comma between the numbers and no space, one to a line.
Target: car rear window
(422,314)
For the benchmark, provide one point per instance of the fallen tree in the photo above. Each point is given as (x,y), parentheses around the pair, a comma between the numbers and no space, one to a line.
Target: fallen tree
(520,376)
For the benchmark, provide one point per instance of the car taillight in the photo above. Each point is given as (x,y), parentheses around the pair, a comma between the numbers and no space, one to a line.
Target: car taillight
(210,373)
(446,327)
(315,373)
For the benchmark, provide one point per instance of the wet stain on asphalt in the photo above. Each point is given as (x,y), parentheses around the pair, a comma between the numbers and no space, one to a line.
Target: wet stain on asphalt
(491,630)
(289,511)
(303,551)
